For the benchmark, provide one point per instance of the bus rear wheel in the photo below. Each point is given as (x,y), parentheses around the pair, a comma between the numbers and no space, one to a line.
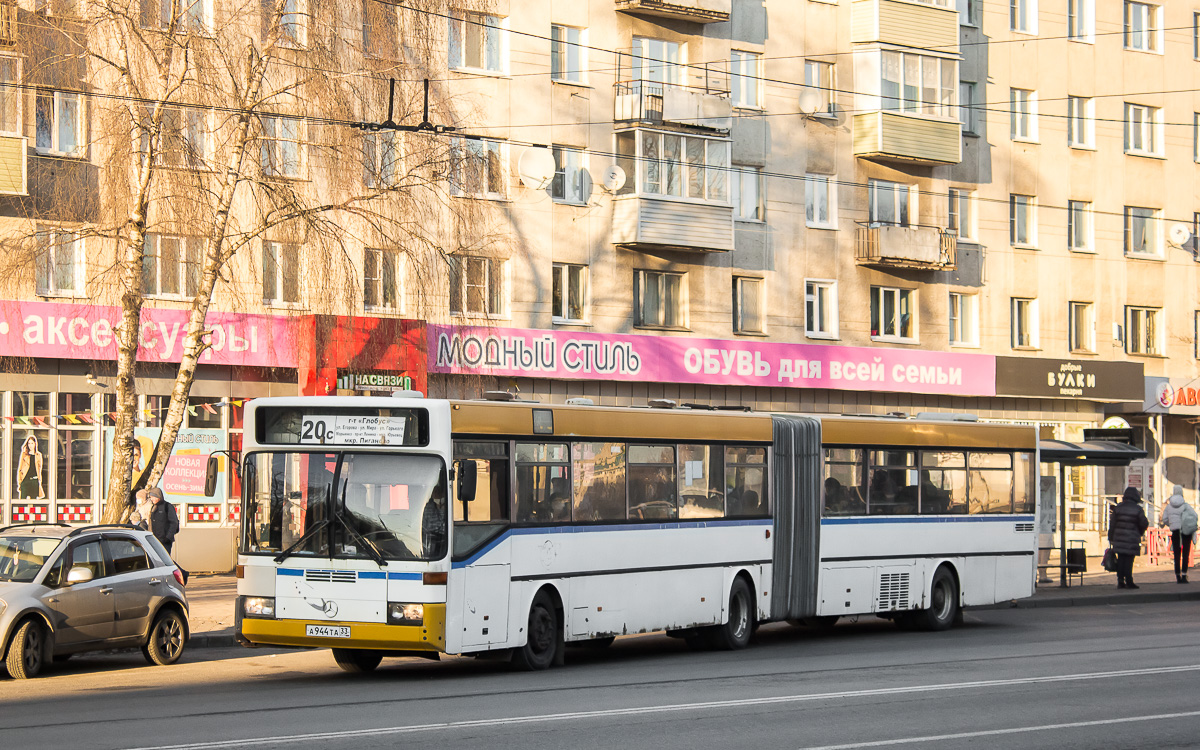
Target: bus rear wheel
(357,660)
(543,639)
(735,633)
(943,603)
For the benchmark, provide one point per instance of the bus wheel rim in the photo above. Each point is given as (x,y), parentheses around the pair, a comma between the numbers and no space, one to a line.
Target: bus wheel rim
(540,630)
(738,616)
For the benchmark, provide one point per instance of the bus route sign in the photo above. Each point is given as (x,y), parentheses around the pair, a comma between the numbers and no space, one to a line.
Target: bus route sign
(348,429)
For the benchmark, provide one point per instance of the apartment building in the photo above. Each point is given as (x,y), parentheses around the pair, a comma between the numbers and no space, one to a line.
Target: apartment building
(858,206)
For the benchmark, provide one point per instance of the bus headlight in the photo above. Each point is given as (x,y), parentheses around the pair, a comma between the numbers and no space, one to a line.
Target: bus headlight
(262,607)
(405,614)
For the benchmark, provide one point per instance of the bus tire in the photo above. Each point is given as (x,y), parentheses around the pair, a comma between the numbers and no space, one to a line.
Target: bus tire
(542,636)
(943,603)
(357,660)
(735,633)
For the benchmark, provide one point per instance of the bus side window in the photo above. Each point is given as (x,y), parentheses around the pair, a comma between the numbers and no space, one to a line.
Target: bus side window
(844,474)
(543,483)
(652,488)
(943,482)
(1024,484)
(991,482)
(745,481)
(492,486)
(701,481)
(894,484)
(600,493)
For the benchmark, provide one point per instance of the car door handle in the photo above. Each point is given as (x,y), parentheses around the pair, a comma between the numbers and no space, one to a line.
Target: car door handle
(154,581)
(53,600)
(106,590)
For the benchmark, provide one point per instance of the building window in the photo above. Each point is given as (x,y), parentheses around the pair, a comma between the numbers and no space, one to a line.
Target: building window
(964,319)
(10,95)
(155,14)
(1023,115)
(1022,220)
(820,201)
(1081,122)
(59,123)
(1143,27)
(662,299)
(1022,16)
(292,31)
(477,42)
(1143,330)
(381,158)
(570,293)
(1081,20)
(568,185)
(476,286)
(820,309)
(1196,136)
(171,265)
(749,305)
(674,165)
(1142,235)
(919,84)
(568,54)
(1196,336)
(1024,323)
(746,188)
(892,313)
(968,12)
(1082,327)
(962,214)
(381,279)
(1196,35)
(967,113)
(380,29)
(479,168)
(745,79)
(281,273)
(1143,130)
(60,262)
(1079,227)
(657,60)
(282,147)
(818,77)
(890,203)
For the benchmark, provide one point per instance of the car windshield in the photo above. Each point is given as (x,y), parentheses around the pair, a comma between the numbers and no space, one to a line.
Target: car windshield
(363,505)
(22,557)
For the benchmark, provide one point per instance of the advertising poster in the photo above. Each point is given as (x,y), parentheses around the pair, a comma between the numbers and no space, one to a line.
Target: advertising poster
(183,481)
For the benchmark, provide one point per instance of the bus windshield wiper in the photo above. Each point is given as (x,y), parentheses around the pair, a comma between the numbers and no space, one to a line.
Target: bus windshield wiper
(308,535)
(374,551)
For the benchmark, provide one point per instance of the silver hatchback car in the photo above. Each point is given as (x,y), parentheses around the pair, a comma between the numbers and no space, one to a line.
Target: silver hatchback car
(65,590)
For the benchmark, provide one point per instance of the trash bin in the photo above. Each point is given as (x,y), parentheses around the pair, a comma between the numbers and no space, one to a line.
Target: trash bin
(1076,562)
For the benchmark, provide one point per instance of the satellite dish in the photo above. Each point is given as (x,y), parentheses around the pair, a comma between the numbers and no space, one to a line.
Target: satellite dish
(614,178)
(536,168)
(1179,233)
(810,102)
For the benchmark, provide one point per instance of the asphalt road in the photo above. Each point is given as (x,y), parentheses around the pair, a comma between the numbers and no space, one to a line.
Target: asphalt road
(1086,677)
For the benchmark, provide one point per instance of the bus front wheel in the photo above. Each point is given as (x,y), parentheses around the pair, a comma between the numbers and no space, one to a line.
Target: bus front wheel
(735,633)
(542,644)
(943,603)
(357,660)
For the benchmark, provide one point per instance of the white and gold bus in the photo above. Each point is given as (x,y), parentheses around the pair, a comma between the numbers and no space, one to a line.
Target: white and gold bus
(405,526)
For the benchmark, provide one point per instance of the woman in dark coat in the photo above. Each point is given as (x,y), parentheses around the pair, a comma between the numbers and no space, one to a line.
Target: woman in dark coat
(1126,524)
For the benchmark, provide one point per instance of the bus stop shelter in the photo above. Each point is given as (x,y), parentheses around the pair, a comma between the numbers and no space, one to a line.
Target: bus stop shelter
(1088,453)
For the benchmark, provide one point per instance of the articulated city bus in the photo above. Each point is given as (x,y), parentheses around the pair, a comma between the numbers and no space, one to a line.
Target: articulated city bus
(405,526)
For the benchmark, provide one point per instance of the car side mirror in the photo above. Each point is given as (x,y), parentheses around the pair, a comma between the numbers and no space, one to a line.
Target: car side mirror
(210,476)
(467,477)
(79,574)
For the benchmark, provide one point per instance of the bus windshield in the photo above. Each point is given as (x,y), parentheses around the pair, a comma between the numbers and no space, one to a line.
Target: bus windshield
(342,504)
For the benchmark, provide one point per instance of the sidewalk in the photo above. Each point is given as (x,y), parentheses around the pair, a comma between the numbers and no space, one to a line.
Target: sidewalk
(212,597)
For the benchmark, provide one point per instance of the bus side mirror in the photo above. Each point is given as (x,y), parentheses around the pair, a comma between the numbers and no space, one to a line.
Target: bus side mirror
(467,474)
(210,476)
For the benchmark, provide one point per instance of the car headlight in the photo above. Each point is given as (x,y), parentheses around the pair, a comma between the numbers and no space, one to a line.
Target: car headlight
(405,614)
(259,606)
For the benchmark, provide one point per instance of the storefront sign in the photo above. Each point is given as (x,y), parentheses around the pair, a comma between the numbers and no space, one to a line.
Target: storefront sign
(510,352)
(77,331)
(370,381)
(1172,396)
(1068,378)
(183,479)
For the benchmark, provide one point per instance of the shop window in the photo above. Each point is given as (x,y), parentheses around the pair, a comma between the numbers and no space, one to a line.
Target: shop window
(75,453)
(204,412)
(30,464)
(29,404)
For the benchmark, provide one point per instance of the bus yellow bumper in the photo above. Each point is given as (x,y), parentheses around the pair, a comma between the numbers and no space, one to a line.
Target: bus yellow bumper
(429,636)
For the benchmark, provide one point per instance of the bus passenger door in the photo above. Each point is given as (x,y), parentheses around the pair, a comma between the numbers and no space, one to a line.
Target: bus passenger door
(484,605)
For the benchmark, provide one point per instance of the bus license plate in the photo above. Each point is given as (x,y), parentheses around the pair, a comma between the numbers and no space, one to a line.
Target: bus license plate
(327,631)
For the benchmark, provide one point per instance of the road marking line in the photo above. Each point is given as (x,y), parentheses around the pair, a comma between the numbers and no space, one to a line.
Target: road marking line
(678,707)
(994,732)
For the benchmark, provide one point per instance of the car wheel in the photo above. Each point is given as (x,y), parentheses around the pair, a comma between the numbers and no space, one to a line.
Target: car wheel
(356,659)
(27,651)
(165,644)
(541,646)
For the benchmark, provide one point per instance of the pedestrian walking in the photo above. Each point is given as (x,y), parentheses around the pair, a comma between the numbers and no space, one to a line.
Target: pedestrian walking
(1127,523)
(163,521)
(141,509)
(1181,519)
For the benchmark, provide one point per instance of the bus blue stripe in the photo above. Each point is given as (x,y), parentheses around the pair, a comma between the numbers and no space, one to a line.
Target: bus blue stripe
(371,574)
(399,576)
(289,572)
(924,519)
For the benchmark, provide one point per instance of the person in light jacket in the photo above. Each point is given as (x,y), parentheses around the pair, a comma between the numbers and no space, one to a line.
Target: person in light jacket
(1126,524)
(1180,518)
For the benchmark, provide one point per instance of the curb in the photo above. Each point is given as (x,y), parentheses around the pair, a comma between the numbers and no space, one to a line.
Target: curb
(1149,597)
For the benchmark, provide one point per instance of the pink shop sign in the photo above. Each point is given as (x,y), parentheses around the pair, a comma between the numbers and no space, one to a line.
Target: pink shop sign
(511,352)
(78,331)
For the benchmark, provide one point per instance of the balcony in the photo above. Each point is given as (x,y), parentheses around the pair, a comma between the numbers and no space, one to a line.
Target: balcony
(896,136)
(14,162)
(652,94)
(919,247)
(696,11)
(642,223)
(924,24)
